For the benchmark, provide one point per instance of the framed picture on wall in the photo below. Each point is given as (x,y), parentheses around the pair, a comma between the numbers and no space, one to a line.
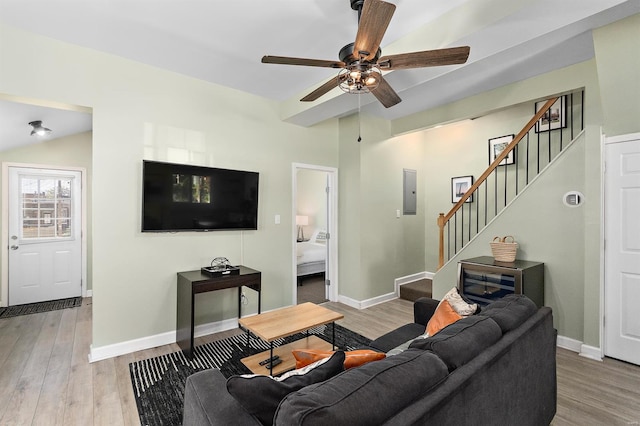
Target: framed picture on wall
(459,186)
(497,145)
(555,118)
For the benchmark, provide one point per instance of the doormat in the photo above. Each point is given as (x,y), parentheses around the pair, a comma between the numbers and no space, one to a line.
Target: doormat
(36,308)
(158,383)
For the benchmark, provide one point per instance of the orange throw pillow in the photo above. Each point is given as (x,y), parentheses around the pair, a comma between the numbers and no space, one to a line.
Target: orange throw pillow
(442,317)
(352,359)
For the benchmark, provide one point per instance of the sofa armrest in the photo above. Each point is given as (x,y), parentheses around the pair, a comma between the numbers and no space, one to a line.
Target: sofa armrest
(207,402)
(423,310)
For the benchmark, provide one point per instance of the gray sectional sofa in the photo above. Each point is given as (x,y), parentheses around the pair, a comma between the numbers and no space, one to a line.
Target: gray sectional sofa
(494,368)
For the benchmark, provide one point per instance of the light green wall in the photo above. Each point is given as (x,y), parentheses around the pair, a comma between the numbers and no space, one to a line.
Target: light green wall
(371,187)
(70,151)
(612,102)
(568,281)
(547,231)
(462,149)
(618,59)
(349,225)
(312,199)
(141,112)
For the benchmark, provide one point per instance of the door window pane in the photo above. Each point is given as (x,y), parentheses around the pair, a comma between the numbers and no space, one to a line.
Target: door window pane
(46,207)
(63,228)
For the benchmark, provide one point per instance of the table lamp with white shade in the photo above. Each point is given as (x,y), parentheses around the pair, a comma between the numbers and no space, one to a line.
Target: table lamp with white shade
(301,221)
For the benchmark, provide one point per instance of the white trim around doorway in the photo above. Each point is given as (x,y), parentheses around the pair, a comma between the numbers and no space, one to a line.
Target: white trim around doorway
(332,174)
(4,232)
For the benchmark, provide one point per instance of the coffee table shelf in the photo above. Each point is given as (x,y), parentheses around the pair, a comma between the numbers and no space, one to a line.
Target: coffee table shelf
(284,352)
(284,322)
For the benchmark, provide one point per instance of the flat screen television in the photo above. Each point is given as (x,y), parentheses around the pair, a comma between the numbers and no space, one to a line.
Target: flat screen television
(181,197)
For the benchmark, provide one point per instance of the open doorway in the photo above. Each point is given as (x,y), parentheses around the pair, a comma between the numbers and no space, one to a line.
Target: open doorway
(46,200)
(315,245)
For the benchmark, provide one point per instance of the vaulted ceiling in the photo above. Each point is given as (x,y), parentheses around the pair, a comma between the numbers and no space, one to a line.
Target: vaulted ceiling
(223,41)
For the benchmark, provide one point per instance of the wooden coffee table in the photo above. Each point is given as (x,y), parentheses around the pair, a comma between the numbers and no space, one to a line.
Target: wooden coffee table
(284,322)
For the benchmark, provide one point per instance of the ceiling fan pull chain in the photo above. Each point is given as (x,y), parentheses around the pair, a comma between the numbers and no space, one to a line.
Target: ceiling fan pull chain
(359,126)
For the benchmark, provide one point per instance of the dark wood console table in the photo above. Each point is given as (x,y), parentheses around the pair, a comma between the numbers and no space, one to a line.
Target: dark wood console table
(191,283)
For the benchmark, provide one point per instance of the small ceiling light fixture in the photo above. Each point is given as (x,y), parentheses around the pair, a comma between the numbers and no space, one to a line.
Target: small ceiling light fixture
(38,128)
(359,79)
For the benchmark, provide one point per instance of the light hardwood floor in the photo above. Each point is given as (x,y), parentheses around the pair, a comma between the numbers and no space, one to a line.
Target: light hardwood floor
(46,379)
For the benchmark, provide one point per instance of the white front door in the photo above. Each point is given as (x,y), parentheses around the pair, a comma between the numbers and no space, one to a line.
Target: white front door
(45,247)
(622,248)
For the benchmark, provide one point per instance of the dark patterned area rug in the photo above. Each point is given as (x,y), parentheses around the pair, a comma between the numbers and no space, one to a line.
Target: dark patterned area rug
(36,308)
(158,383)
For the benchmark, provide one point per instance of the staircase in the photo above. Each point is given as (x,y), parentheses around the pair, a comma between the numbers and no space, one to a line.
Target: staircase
(416,289)
(539,142)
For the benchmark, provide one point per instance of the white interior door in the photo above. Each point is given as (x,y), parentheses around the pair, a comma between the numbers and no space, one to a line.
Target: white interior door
(45,247)
(622,249)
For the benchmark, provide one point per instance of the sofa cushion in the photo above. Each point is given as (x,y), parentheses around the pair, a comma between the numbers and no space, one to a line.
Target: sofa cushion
(442,317)
(510,311)
(260,395)
(369,394)
(462,341)
(352,359)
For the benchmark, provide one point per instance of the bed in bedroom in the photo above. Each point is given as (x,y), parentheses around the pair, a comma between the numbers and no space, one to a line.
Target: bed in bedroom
(311,255)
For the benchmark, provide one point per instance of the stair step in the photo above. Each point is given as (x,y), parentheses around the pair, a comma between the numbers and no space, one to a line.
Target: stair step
(416,289)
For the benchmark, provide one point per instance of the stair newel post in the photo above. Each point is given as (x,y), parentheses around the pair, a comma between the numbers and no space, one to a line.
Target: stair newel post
(441,223)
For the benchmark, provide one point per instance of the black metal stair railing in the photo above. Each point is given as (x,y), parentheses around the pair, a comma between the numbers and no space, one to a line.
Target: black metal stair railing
(534,147)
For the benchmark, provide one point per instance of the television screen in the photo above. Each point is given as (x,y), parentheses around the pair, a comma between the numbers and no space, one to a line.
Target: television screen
(180,197)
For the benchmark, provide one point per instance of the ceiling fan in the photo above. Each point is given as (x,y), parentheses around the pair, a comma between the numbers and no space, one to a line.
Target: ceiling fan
(360,62)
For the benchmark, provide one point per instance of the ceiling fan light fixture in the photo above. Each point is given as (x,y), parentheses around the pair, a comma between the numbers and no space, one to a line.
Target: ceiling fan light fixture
(359,81)
(38,129)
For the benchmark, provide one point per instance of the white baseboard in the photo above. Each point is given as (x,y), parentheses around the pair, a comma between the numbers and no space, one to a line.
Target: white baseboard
(591,352)
(363,304)
(411,278)
(123,348)
(88,293)
(580,348)
(569,344)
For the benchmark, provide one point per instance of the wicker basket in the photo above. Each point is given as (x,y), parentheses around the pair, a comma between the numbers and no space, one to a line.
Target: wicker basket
(504,250)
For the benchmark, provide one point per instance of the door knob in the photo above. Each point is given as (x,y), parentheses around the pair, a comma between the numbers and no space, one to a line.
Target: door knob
(14,247)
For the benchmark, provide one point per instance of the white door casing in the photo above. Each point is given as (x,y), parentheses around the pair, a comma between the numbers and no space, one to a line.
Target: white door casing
(327,263)
(45,234)
(331,265)
(622,248)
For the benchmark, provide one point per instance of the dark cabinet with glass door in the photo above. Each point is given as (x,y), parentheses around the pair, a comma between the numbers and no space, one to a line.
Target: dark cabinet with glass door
(483,280)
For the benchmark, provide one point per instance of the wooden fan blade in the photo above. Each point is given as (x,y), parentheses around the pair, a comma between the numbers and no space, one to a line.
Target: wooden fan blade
(385,93)
(284,60)
(374,21)
(325,88)
(428,58)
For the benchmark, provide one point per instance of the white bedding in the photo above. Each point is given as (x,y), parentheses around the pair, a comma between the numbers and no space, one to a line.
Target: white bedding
(308,252)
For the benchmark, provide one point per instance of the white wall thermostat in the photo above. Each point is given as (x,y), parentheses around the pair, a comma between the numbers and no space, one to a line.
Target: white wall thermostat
(573,199)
